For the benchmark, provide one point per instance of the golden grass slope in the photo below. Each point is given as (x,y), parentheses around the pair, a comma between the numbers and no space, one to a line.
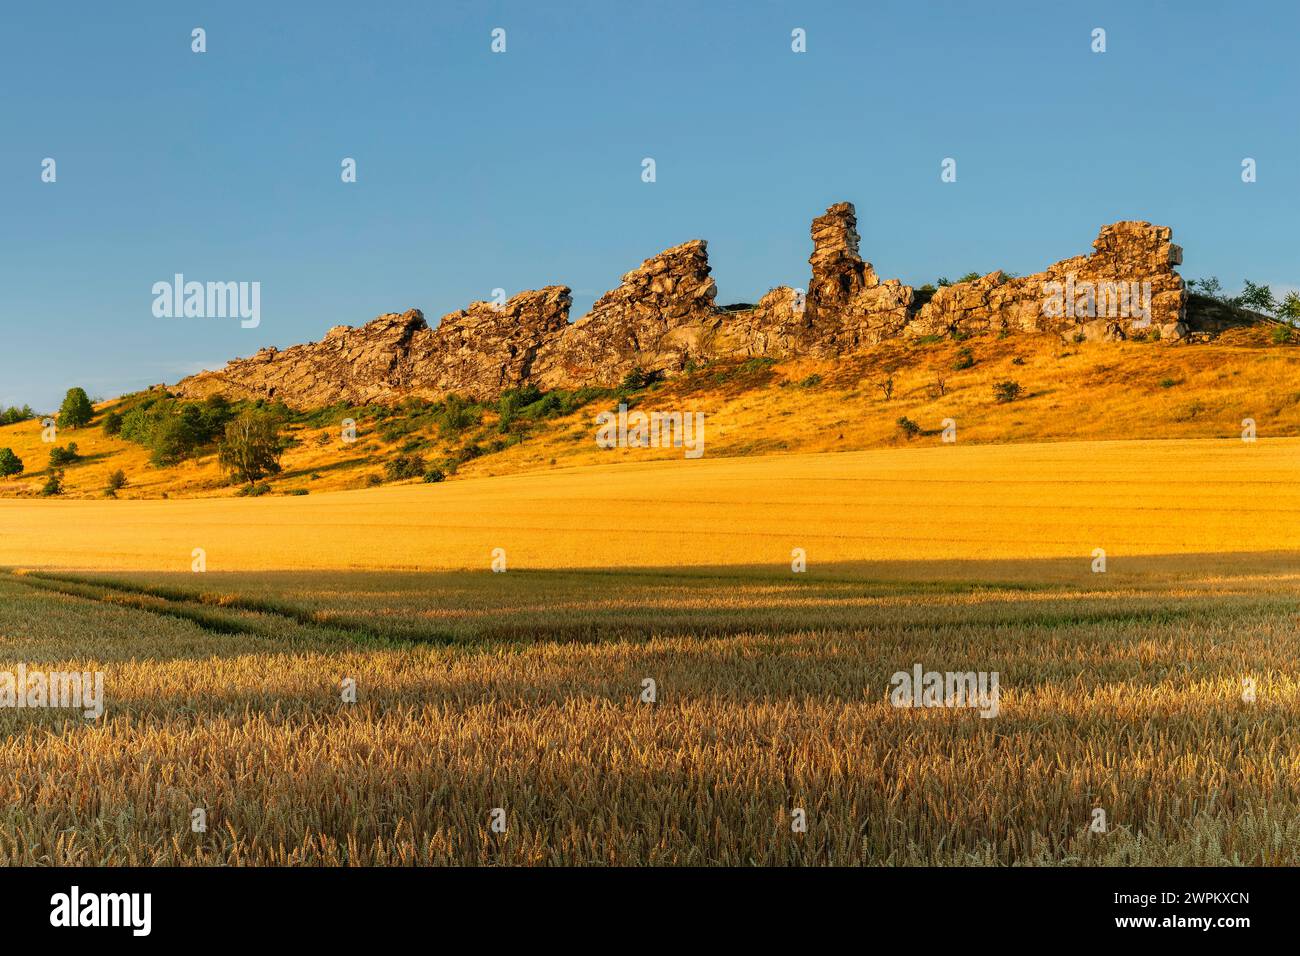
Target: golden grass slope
(937,502)
(1103,391)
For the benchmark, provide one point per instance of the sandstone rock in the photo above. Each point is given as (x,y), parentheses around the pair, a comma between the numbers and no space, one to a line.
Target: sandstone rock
(657,318)
(662,316)
(838,273)
(482,351)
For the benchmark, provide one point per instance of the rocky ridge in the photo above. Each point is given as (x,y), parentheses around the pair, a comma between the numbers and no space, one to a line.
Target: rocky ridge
(662,317)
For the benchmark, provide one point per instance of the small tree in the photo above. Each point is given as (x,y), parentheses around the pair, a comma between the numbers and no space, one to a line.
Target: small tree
(113,423)
(1007,391)
(1289,310)
(251,448)
(1258,297)
(53,484)
(117,480)
(76,410)
(886,388)
(10,464)
(60,456)
(909,428)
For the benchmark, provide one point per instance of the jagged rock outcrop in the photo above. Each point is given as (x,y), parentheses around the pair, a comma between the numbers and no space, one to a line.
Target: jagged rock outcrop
(485,349)
(838,272)
(478,352)
(356,365)
(662,316)
(1127,286)
(655,319)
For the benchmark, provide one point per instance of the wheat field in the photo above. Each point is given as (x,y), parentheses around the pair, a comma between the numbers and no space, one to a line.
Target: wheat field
(522,692)
(937,502)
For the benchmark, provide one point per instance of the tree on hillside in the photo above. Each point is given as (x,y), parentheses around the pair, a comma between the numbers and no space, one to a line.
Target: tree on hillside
(251,448)
(1258,297)
(76,411)
(12,415)
(1289,310)
(10,464)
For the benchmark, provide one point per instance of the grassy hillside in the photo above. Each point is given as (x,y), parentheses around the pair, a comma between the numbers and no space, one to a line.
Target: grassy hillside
(1068,392)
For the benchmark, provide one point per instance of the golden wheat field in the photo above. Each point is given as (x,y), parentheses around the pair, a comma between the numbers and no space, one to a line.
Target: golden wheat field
(938,502)
(523,691)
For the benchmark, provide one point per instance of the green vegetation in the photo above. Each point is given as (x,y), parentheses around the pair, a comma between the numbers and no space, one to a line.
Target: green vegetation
(1007,391)
(251,447)
(13,415)
(404,466)
(60,456)
(53,484)
(76,411)
(10,464)
(175,430)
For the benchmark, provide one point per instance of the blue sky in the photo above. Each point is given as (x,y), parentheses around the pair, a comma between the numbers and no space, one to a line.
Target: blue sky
(479,170)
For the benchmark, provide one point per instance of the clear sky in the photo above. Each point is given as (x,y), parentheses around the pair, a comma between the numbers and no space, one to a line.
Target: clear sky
(478,170)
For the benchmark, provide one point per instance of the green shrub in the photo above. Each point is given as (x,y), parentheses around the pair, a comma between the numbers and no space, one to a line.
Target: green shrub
(1168,382)
(1007,391)
(253,490)
(117,480)
(637,379)
(295,492)
(60,455)
(1282,334)
(909,428)
(113,423)
(458,415)
(173,430)
(10,464)
(404,466)
(53,484)
(965,359)
(434,475)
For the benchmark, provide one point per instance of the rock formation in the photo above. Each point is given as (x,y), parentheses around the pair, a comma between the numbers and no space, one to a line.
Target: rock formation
(654,319)
(662,316)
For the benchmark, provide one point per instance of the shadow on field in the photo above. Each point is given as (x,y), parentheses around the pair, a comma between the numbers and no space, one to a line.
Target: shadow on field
(597,605)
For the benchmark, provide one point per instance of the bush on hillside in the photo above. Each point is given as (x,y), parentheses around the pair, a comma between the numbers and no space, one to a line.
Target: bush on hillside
(10,464)
(64,456)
